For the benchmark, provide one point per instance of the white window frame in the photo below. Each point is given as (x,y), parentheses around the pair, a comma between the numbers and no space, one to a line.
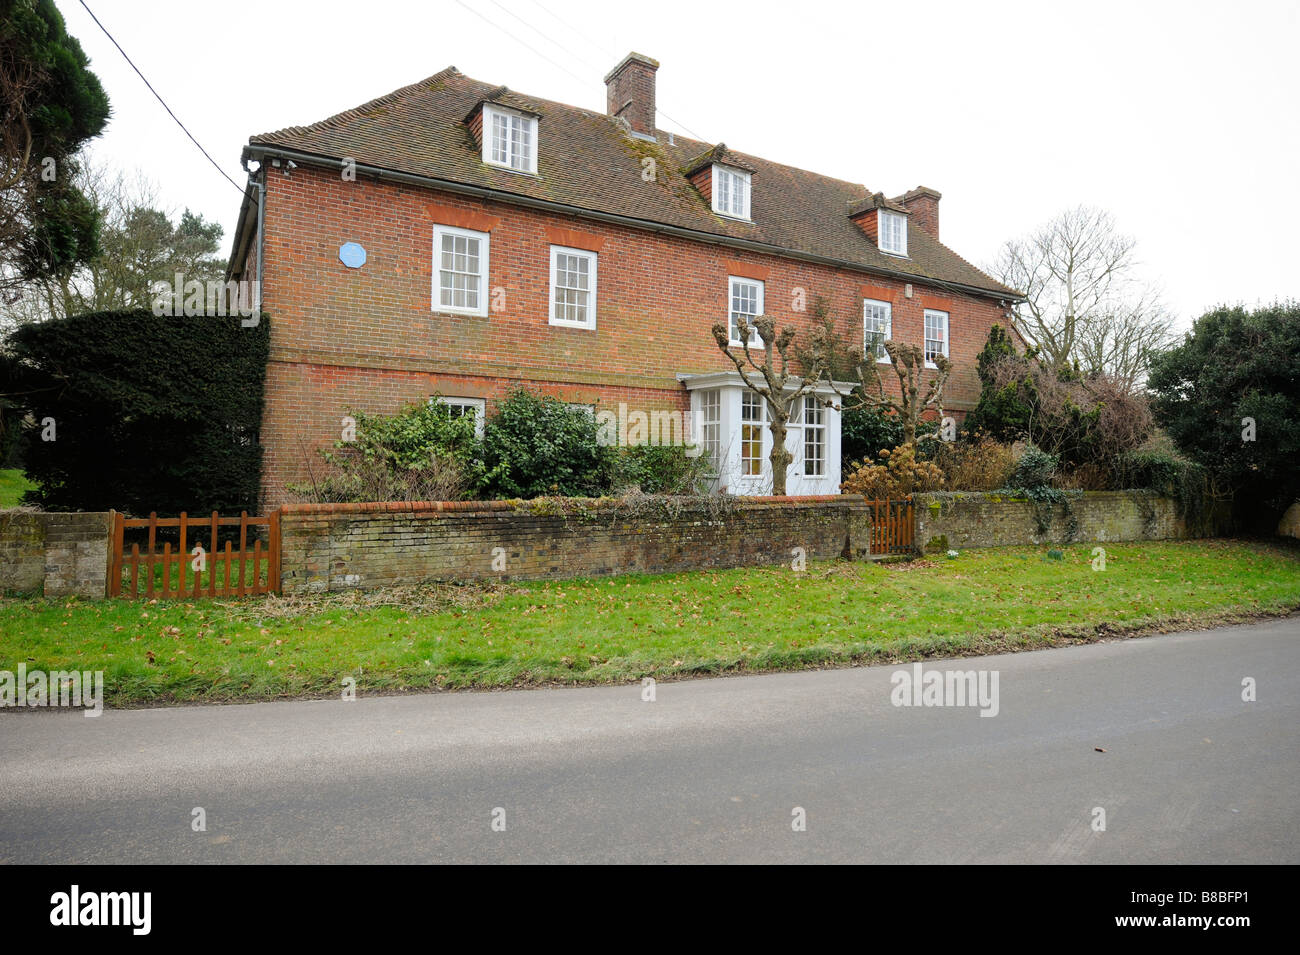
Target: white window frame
(925,334)
(711,425)
(732,209)
(882,357)
(887,237)
(477,405)
(816,429)
(749,398)
(485,240)
(490,114)
(733,336)
(592,263)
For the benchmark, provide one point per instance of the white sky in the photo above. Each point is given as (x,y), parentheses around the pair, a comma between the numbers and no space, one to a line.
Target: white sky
(1182,119)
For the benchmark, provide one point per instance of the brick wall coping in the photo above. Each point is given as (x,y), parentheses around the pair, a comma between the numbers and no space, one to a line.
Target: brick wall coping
(1006,496)
(540,505)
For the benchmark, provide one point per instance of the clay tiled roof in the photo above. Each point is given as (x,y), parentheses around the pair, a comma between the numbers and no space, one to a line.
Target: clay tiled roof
(589,161)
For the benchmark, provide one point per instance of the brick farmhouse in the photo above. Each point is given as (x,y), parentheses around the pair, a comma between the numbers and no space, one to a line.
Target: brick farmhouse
(454,239)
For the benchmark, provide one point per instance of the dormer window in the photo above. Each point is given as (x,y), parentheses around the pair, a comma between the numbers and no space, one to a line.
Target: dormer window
(509,139)
(730,192)
(893,233)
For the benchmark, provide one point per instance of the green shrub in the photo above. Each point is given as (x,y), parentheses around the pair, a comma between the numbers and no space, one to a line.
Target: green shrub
(865,432)
(1085,420)
(421,453)
(417,433)
(665,469)
(1035,469)
(536,445)
(149,413)
(1006,403)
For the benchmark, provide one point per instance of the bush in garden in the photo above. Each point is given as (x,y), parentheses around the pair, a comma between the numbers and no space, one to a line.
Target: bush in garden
(358,478)
(975,463)
(538,446)
(1084,420)
(663,469)
(1005,409)
(898,474)
(421,453)
(867,431)
(1035,469)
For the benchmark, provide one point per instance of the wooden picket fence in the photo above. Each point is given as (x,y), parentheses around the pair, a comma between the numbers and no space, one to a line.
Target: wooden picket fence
(892,526)
(243,568)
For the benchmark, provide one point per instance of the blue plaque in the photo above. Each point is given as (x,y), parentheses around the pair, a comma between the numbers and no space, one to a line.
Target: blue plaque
(352,255)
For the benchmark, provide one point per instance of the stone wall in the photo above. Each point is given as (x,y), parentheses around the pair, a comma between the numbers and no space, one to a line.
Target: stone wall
(989,519)
(59,555)
(363,546)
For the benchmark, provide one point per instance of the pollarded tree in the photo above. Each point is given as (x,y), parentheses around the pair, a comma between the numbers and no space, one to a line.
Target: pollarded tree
(908,362)
(773,380)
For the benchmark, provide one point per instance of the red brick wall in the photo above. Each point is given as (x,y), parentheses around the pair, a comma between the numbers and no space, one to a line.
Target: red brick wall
(368,338)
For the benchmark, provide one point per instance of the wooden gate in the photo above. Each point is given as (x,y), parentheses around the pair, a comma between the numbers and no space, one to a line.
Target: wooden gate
(892,527)
(212,571)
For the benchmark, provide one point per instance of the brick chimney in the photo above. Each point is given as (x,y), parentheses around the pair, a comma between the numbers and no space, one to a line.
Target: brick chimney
(630,92)
(922,205)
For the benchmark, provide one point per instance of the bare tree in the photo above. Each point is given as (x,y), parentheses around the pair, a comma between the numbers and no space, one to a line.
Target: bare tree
(139,245)
(776,385)
(908,363)
(1083,301)
(1118,340)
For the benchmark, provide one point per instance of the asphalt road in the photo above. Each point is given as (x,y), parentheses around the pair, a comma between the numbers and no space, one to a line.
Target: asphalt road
(711,771)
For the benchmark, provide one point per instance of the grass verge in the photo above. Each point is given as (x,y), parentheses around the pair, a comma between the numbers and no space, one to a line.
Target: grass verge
(619,629)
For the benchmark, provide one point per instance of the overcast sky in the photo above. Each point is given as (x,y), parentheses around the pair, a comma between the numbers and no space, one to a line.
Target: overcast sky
(1182,119)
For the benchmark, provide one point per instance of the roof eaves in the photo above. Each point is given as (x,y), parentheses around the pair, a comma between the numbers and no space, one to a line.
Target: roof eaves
(258,149)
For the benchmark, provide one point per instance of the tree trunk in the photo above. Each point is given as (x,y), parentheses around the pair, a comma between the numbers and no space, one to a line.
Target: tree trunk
(780,457)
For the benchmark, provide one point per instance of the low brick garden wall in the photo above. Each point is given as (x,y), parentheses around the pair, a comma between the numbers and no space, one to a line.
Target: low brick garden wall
(55,554)
(989,519)
(363,546)
(330,547)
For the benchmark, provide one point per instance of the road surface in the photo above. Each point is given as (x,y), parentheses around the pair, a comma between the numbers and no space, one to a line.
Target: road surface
(710,771)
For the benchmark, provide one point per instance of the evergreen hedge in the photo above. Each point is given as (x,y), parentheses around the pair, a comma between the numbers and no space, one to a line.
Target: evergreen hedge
(149,413)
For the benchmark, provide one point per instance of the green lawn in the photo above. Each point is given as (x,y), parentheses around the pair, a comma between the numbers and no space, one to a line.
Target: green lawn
(619,629)
(12,485)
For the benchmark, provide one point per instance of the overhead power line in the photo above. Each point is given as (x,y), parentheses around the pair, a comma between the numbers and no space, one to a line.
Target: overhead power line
(561,46)
(160,99)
